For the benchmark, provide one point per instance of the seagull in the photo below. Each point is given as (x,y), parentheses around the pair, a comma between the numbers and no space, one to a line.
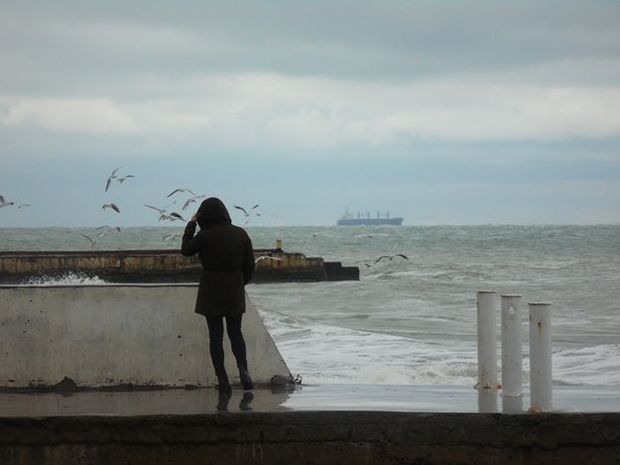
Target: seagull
(172,237)
(245,212)
(108,228)
(390,257)
(268,257)
(192,200)
(24,205)
(171,216)
(181,190)
(5,203)
(162,211)
(90,239)
(177,216)
(121,180)
(112,206)
(109,181)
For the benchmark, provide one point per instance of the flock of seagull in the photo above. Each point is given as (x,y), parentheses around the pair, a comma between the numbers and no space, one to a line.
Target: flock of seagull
(166,215)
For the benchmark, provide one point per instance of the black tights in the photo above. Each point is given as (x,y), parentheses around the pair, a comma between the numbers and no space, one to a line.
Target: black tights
(216,336)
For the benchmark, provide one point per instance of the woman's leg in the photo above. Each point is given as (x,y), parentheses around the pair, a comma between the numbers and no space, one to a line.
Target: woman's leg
(237,343)
(216,349)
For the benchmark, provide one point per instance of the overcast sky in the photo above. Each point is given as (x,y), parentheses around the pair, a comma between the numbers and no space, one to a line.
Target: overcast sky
(444,112)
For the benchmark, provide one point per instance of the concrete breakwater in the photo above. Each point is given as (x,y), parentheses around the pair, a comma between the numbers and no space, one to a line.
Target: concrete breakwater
(339,438)
(162,266)
(118,335)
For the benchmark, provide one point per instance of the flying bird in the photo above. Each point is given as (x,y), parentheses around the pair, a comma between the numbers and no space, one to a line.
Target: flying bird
(90,239)
(106,228)
(164,214)
(121,180)
(245,212)
(162,211)
(24,205)
(112,206)
(181,190)
(170,217)
(192,200)
(177,216)
(5,203)
(390,257)
(172,237)
(109,181)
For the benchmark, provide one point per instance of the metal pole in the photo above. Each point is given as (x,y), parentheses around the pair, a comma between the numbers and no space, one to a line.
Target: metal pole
(487,340)
(540,357)
(512,363)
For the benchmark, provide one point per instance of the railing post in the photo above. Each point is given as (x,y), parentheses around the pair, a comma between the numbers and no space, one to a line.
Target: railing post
(487,340)
(540,357)
(512,363)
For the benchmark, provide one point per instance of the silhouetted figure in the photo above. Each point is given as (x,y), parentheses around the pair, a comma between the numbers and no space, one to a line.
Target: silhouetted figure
(227,260)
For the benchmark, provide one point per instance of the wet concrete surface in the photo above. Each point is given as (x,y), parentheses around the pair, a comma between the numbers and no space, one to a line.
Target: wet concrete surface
(429,398)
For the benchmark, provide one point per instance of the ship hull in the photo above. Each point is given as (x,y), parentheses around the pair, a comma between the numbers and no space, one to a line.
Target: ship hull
(370,222)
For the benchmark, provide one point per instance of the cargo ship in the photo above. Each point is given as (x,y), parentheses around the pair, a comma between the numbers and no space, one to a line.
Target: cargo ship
(365,219)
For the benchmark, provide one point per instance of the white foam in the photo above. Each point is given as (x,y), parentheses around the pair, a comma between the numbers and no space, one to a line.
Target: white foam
(66,279)
(328,354)
(597,366)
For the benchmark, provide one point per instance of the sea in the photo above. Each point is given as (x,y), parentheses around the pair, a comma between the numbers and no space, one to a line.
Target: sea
(413,321)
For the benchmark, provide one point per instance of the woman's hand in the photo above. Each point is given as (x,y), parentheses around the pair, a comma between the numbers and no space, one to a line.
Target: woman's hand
(195,217)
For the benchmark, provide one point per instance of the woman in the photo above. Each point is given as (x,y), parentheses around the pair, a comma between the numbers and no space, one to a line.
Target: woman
(227,260)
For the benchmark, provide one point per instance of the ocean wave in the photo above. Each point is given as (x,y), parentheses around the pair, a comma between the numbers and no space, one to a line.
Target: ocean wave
(330,354)
(588,366)
(66,279)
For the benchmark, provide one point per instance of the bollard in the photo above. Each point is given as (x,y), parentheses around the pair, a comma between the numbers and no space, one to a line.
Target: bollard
(512,404)
(512,363)
(279,244)
(487,400)
(487,340)
(540,357)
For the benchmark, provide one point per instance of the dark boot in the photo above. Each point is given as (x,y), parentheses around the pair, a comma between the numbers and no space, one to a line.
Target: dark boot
(246,381)
(222,400)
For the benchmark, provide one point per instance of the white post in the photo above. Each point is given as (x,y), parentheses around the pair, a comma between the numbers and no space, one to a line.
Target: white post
(487,340)
(512,404)
(512,363)
(540,357)
(487,400)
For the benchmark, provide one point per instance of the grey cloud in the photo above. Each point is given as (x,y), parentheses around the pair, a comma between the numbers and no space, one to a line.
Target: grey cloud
(353,40)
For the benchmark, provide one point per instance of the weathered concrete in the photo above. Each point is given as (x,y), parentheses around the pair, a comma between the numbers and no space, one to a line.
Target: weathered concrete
(144,335)
(157,266)
(308,397)
(325,438)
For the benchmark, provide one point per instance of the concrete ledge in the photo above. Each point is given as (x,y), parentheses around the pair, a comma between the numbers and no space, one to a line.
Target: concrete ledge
(314,438)
(159,266)
(118,335)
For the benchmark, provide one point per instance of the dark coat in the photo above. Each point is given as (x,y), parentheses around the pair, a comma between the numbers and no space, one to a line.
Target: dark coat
(227,260)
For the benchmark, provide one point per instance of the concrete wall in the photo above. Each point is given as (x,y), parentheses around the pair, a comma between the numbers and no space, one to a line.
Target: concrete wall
(118,334)
(325,438)
(157,266)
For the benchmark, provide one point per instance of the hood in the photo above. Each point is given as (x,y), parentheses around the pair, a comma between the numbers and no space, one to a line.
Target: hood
(211,212)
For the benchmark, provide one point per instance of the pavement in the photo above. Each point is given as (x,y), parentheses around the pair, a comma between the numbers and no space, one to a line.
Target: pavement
(325,397)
